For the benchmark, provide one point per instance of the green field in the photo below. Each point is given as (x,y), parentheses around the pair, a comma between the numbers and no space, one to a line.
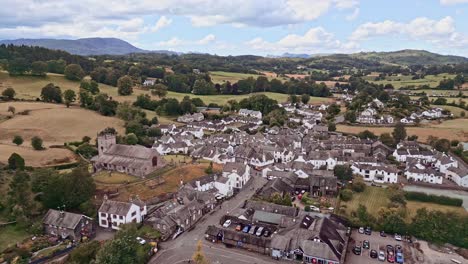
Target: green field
(412,207)
(399,81)
(372,198)
(456,111)
(222,77)
(10,235)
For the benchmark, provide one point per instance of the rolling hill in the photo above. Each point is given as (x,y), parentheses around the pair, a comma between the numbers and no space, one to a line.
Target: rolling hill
(410,57)
(84,46)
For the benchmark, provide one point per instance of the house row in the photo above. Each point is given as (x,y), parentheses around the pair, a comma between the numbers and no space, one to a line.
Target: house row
(188,118)
(250,113)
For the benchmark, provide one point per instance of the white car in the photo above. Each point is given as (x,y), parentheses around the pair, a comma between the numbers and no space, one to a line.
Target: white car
(314,209)
(141,240)
(381,255)
(397,237)
(361,230)
(227,223)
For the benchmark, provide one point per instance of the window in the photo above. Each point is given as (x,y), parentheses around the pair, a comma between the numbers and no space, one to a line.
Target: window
(103,222)
(134,213)
(103,215)
(121,217)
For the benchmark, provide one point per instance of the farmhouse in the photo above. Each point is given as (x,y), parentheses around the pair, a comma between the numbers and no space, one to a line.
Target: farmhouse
(112,214)
(367,116)
(135,160)
(67,225)
(250,113)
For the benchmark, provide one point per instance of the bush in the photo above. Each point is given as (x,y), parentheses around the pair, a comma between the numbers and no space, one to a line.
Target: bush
(36,143)
(18,140)
(307,208)
(358,186)
(15,162)
(346,195)
(431,198)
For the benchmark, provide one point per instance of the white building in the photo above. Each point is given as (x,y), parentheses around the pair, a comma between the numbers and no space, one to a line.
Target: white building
(112,214)
(239,173)
(419,172)
(367,116)
(250,113)
(379,173)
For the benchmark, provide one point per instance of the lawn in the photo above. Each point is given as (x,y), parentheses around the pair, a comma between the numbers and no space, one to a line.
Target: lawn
(112,177)
(413,206)
(55,124)
(372,197)
(399,81)
(10,235)
(450,129)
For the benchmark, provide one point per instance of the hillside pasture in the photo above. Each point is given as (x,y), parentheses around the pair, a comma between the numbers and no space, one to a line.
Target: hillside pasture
(456,111)
(54,123)
(35,158)
(450,129)
(401,81)
(233,77)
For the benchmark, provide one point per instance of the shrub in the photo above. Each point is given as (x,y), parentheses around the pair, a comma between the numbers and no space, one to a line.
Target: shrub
(18,140)
(358,186)
(346,195)
(431,198)
(307,208)
(15,162)
(36,143)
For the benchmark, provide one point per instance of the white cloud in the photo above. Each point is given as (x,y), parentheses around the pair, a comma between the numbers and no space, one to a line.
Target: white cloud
(353,15)
(161,23)
(315,40)
(440,32)
(173,42)
(207,39)
(453,2)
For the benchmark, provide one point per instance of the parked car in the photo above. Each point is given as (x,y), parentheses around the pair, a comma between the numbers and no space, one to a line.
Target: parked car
(141,240)
(381,255)
(357,250)
(397,237)
(366,244)
(246,229)
(259,231)
(382,234)
(227,223)
(399,258)
(266,233)
(314,209)
(373,253)
(239,227)
(368,231)
(361,230)
(398,249)
(253,229)
(390,257)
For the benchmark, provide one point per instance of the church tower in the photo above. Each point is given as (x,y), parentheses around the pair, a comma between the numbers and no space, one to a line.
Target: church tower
(105,141)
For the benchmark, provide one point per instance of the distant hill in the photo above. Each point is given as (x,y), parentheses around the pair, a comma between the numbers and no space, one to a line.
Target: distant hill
(85,46)
(410,57)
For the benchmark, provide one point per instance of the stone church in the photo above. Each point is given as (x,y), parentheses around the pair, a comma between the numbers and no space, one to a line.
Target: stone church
(135,160)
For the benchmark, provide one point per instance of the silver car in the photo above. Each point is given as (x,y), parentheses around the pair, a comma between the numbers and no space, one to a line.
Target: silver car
(381,255)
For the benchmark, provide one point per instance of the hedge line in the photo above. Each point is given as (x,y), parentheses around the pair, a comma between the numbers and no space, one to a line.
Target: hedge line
(431,198)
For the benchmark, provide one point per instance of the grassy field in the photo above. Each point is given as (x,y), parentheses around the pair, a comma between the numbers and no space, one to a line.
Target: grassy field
(450,129)
(413,206)
(399,81)
(222,77)
(372,197)
(10,235)
(55,124)
(456,111)
(449,99)
(112,177)
(35,158)
(438,93)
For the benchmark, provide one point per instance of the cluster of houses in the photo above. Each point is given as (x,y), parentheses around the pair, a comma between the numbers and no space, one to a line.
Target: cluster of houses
(430,166)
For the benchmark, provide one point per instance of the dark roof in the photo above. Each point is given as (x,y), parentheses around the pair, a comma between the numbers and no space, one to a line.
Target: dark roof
(62,219)
(272,208)
(115,207)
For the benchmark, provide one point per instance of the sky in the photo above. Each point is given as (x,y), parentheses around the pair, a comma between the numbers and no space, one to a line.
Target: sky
(237,27)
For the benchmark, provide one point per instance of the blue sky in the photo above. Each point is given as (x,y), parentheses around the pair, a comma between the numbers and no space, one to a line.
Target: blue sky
(248,26)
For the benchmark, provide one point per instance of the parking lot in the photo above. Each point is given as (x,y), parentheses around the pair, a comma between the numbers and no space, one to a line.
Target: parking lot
(247,227)
(377,243)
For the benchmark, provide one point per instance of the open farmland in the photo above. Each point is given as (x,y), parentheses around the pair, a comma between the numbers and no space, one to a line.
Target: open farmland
(400,81)
(456,111)
(35,158)
(222,77)
(413,206)
(451,129)
(55,124)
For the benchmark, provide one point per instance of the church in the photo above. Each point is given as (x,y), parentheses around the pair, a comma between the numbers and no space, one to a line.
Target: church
(131,159)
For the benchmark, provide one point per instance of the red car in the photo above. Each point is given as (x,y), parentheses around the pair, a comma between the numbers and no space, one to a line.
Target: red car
(391,257)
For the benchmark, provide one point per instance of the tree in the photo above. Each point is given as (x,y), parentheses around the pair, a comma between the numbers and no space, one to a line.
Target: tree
(343,172)
(199,257)
(350,116)
(51,93)
(15,162)
(86,150)
(131,139)
(358,185)
(331,126)
(333,109)
(19,200)
(160,90)
(293,99)
(123,249)
(203,87)
(399,132)
(69,96)
(366,134)
(18,66)
(36,143)
(387,139)
(125,85)
(18,140)
(74,72)
(85,253)
(39,68)
(90,86)
(9,93)
(154,132)
(305,98)
(209,169)
(346,195)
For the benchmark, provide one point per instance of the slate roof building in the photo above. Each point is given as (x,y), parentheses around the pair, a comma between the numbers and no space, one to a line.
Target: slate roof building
(67,225)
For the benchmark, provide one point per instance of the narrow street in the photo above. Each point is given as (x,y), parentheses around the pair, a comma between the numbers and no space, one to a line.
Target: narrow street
(182,248)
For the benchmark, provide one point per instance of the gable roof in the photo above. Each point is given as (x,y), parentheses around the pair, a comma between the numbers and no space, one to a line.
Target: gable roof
(62,219)
(115,207)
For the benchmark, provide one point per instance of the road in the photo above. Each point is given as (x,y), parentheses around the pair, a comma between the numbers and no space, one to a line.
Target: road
(181,249)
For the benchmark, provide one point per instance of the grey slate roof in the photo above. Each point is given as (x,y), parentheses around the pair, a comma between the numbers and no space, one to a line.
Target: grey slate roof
(114,207)
(62,219)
